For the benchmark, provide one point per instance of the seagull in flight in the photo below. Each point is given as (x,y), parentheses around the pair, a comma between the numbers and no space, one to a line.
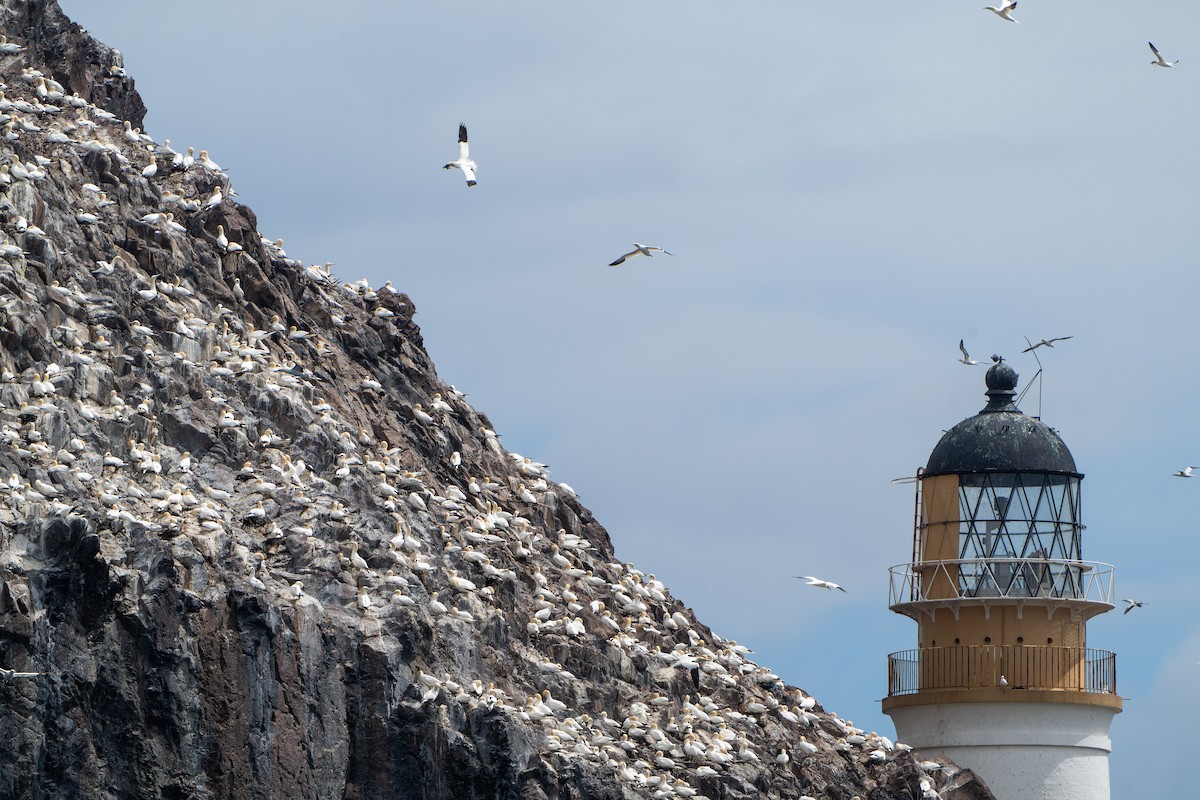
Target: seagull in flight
(638,250)
(1047,343)
(1186,472)
(1159,61)
(1005,10)
(1133,604)
(9,674)
(464,157)
(820,584)
(966,358)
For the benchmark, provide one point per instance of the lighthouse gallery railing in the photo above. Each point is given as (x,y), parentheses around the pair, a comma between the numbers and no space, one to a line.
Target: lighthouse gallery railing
(1023,666)
(1001,578)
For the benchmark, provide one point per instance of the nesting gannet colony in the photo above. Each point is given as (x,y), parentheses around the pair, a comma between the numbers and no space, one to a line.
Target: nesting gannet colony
(251,546)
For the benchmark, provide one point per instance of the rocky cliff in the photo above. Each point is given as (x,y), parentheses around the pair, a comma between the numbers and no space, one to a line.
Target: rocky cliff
(252,547)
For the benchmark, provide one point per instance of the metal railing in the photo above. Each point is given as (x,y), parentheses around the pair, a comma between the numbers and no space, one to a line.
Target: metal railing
(1023,666)
(1001,578)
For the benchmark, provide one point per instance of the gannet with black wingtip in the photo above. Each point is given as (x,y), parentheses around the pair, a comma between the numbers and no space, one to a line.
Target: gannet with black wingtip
(1046,343)
(966,358)
(1159,61)
(639,250)
(464,161)
(1186,472)
(1133,604)
(820,584)
(1005,10)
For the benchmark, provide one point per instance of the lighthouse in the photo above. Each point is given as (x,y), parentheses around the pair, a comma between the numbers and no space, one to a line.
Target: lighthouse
(1002,680)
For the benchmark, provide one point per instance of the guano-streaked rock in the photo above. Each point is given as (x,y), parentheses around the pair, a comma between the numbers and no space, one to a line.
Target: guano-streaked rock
(257,548)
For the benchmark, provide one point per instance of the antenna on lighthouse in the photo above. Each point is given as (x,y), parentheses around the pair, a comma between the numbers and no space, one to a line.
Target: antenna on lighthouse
(1037,376)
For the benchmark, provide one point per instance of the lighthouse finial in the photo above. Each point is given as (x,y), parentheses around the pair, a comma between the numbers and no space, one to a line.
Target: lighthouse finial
(1001,380)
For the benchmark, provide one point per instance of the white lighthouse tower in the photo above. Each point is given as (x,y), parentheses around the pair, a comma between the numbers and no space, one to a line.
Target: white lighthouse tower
(1002,680)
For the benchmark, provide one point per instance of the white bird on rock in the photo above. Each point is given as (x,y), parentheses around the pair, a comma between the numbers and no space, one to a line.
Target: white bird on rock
(207,162)
(639,250)
(464,161)
(224,243)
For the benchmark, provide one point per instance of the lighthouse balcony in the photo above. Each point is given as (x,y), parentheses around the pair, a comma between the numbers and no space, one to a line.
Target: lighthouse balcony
(921,589)
(978,669)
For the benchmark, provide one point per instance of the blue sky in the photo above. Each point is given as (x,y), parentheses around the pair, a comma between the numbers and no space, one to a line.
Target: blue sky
(848,189)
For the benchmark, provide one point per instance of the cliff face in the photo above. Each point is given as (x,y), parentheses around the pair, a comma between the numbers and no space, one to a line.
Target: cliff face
(255,548)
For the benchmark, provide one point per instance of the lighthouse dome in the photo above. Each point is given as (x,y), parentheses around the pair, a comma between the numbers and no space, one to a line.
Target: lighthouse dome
(1000,438)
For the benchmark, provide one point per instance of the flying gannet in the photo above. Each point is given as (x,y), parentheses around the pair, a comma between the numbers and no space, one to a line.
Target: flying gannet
(1005,10)
(1047,343)
(1186,472)
(9,674)
(966,358)
(638,250)
(1133,604)
(1159,61)
(464,161)
(820,584)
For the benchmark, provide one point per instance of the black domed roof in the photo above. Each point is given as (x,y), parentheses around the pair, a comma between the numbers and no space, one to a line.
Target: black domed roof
(1000,438)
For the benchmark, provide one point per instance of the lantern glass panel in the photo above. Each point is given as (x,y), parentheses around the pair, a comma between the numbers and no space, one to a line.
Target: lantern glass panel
(1015,532)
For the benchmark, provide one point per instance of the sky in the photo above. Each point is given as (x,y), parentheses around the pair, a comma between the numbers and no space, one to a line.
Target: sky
(847,188)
